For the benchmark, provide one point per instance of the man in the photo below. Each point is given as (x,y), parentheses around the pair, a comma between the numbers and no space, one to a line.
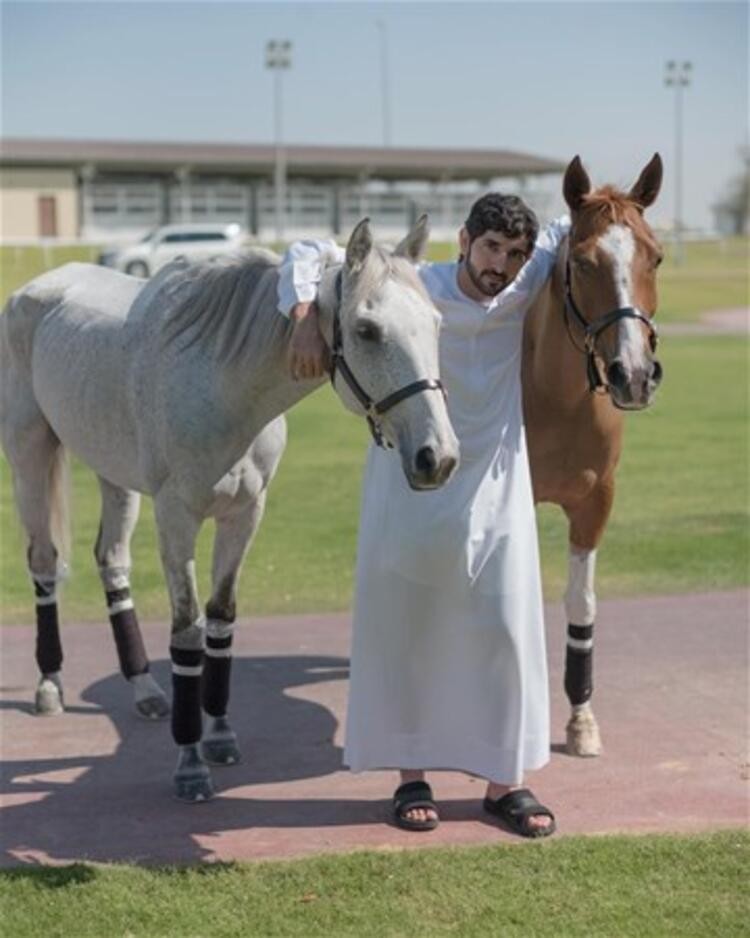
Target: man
(448,655)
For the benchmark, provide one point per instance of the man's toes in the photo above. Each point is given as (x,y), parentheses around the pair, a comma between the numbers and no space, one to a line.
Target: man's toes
(539,821)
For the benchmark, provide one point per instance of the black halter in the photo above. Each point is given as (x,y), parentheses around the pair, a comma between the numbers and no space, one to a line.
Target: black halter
(592,330)
(373,411)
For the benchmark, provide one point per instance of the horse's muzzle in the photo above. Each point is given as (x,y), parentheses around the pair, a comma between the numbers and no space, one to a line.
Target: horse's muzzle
(633,390)
(430,470)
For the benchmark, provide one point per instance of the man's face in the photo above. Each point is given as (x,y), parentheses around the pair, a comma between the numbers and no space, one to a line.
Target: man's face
(490,262)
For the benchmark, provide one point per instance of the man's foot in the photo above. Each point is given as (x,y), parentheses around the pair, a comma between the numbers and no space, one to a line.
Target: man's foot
(520,810)
(413,807)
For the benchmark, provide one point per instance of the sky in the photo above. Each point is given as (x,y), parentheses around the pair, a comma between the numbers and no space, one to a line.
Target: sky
(554,79)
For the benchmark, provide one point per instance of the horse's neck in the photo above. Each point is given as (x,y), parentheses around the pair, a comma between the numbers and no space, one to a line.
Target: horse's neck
(262,386)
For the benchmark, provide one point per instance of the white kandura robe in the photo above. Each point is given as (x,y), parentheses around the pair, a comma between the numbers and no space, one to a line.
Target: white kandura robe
(448,663)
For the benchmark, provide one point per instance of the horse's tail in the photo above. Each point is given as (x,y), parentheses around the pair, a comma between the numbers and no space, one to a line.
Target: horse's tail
(59,503)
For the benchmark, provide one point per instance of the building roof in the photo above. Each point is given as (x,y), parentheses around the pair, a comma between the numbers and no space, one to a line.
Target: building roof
(258,159)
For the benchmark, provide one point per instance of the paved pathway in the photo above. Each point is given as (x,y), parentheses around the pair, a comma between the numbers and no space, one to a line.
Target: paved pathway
(714,322)
(94,783)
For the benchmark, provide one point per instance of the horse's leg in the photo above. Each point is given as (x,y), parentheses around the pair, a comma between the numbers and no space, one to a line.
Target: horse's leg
(234,532)
(587,522)
(112,551)
(40,489)
(178,529)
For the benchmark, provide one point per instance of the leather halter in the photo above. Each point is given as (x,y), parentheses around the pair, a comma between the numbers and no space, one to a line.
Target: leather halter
(592,330)
(373,410)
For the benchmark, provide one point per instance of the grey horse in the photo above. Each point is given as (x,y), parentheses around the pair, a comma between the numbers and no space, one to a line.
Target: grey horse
(176,388)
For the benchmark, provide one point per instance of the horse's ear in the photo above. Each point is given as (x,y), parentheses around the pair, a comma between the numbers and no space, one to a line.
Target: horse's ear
(576,184)
(415,243)
(359,247)
(646,189)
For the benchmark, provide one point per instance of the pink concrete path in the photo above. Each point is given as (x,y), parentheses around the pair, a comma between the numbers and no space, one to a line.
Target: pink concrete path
(94,783)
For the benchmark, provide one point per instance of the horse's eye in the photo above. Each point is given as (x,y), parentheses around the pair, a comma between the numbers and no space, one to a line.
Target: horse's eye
(369,332)
(582,263)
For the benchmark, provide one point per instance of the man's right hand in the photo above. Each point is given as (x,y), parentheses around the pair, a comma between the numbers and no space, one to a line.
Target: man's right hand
(308,355)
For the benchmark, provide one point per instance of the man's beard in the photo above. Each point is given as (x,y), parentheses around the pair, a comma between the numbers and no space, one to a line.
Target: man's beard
(486,282)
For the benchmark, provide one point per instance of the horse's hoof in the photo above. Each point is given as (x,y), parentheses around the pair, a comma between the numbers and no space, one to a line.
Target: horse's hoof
(48,701)
(150,700)
(221,751)
(153,708)
(582,734)
(192,778)
(194,790)
(219,745)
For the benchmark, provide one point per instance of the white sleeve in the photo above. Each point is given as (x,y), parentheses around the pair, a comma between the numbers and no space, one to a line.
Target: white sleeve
(301,270)
(540,265)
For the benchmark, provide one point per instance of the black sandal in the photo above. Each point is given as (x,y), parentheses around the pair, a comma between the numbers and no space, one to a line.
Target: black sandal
(412,795)
(516,808)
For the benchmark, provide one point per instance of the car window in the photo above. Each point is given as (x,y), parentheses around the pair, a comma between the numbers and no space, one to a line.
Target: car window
(181,237)
(205,236)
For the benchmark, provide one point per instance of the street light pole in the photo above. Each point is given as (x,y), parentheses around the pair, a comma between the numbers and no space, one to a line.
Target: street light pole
(677,76)
(278,58)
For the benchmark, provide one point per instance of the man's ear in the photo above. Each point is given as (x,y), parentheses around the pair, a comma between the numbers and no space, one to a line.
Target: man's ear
(464,242)
(359,247)
(415,243)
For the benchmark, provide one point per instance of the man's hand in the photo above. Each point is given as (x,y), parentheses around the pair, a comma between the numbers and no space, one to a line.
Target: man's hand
(308,355)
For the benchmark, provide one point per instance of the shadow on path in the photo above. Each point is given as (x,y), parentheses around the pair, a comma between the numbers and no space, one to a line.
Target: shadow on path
(118,806)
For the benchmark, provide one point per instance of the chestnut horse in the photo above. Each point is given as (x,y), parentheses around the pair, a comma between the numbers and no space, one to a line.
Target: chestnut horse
(588,356)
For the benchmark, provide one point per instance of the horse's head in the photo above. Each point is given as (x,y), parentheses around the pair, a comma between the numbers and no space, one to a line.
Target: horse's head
(611,281)
(385,354)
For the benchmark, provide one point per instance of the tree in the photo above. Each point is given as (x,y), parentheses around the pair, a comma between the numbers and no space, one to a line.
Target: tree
(732,211)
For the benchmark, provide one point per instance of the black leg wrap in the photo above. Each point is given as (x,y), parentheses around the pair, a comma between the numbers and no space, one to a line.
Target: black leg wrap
(49,656)
(128,639)
(579,663)
(217,670)
(186,695)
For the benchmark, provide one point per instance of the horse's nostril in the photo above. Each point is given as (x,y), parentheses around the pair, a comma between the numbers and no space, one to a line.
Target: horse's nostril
(657,372)
(447,466)
(616,374)
(426,460)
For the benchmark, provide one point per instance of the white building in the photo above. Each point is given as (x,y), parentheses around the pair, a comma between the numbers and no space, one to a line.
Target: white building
(104,190)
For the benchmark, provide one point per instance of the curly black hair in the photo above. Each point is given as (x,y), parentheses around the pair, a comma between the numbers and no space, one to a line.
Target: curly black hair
(507,214)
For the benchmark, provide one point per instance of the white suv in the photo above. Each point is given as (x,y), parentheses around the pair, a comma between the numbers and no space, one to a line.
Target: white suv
(159,247)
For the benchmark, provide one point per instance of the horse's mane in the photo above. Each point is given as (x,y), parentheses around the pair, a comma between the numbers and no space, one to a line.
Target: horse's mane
(388,267)
(610,205)
(220,303)
(614,205)
(224,304)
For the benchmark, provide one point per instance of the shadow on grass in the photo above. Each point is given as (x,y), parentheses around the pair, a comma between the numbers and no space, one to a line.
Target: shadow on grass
(54,877)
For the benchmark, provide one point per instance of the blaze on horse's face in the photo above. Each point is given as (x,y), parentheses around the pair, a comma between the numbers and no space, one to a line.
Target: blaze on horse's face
(614,257)
(389,330)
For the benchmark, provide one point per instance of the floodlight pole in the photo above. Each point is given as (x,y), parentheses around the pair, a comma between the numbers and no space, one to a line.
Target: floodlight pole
(278,58)
(677,76)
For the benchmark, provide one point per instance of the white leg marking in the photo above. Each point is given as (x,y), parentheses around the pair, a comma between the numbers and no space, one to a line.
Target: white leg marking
(580,598)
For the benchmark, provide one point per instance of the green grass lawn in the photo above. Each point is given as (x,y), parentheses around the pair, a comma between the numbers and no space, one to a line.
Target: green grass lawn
(680,518)
(604,887)
(679,522)
(714,275)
